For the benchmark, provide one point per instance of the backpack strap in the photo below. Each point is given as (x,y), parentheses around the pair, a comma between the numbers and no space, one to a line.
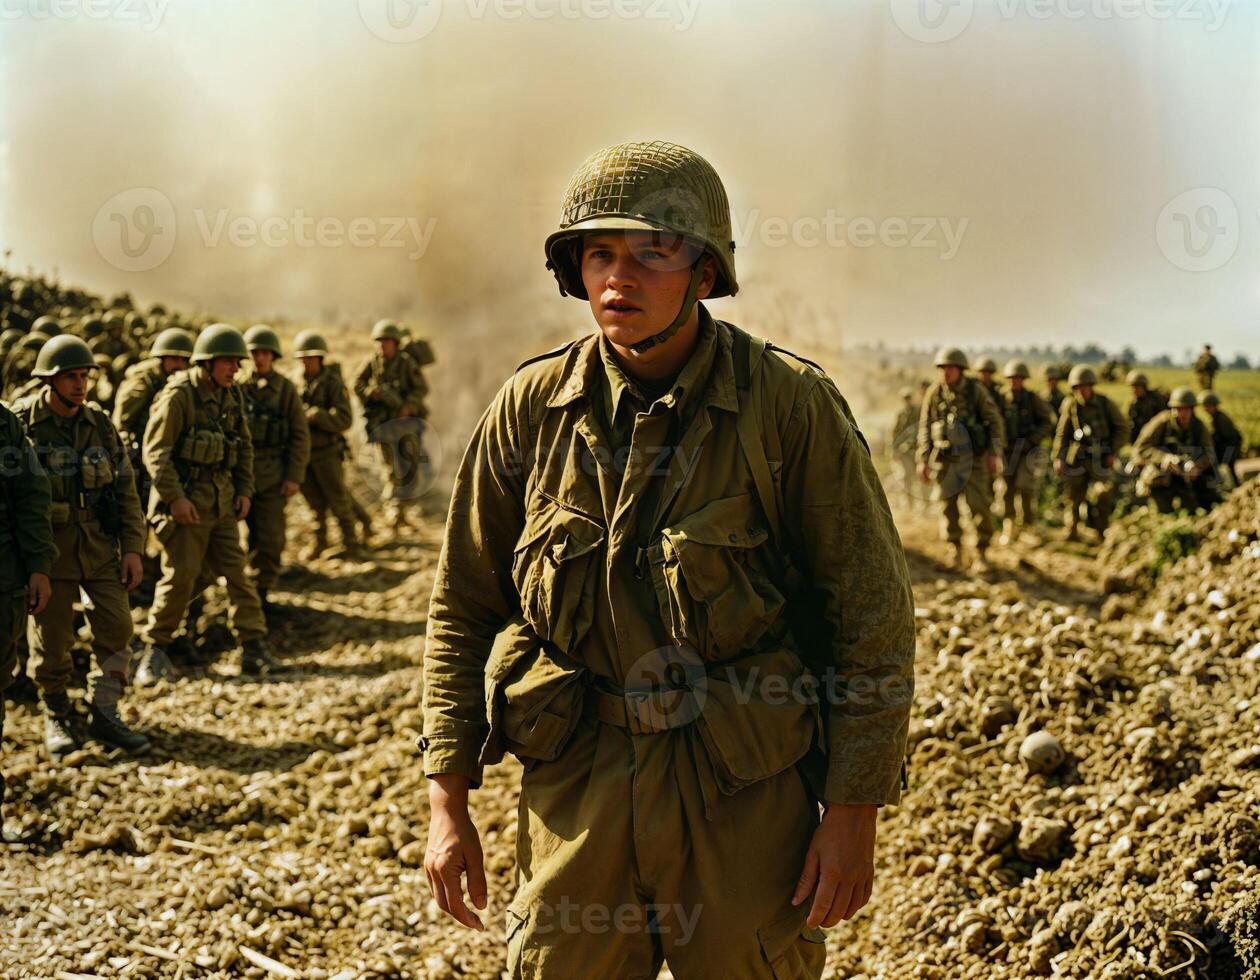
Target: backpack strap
(747,352)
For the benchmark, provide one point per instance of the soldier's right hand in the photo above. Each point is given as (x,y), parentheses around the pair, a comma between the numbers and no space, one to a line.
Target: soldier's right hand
(184,512)
(454,850)
(1058,467)
(38,592)
(925,473)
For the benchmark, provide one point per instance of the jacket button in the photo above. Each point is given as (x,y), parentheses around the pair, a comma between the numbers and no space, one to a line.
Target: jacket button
(733,536)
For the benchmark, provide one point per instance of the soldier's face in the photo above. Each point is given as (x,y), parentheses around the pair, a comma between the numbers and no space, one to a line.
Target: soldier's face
(951,374)
(637,281)
(263,360)
(223,371)
(986,377)
(72,385)
(1139,391)
(1053,384)
(1085,391)
(311,365)
(1183,415)
(1016,383)
(1210,409)
(172,364)
(388,347)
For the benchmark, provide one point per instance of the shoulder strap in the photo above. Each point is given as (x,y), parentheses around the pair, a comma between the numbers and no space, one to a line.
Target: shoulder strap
(747,351)
(554,352)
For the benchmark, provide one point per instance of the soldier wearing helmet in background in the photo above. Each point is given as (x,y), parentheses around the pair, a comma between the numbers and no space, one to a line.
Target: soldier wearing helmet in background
(1028,424)
(987,370)
(1226,439)
(391,386)
(20,362)
(282,448)
(632,510)
(1178,458)
(169,354)
(197,449)
(1054,396)
(112,340)
(1091,430)
(1205,368)
(99,531)
(27,554)
(904,434)
(326,402)
(962,437)
(1146,403)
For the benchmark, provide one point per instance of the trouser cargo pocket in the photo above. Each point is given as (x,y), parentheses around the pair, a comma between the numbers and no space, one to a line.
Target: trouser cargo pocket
(794,950)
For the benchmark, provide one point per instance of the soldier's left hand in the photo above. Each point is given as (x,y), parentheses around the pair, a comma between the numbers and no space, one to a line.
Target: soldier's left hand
(992,463)
(38,592)
(242,508)
(840,864)
(288,488)
(132,571)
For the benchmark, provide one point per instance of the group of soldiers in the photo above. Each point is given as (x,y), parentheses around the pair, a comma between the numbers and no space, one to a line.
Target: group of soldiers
(177,455)
(966,431)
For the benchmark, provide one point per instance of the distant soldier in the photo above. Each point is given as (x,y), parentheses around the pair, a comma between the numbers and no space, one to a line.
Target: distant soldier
(1179,461)
(282,448)
(198,450)
(1090,432)
(112,339)
(960,444)
(1028,424)
(1205,368)
(20,362)
(987,369)
(140,386)
(391,387)
(27,553)
(326,401)
(1146,403)
(99,531)
(904,435)
(1054,397)
(1226,439)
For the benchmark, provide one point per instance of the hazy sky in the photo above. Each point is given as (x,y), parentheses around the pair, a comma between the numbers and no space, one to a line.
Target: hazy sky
(1004,171)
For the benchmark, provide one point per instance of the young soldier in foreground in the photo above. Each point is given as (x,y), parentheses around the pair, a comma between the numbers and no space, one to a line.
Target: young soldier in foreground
(639,517)
(27,553)
(99,530)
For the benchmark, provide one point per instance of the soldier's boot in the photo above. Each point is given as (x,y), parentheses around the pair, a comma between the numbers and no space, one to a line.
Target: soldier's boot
(154,666)
(269,608)
(318,546)
(954,557)
(257,661)
(59,735)
(107,728)
(1071,522)
(1009,532)
(9,834)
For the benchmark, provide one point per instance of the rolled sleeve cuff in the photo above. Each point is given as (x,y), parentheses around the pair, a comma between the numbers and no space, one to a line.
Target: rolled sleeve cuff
(448,755)
(861,781)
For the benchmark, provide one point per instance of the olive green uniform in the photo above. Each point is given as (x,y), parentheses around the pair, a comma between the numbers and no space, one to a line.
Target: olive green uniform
(1163,444)
(109,345)
(385,387)
(1205,369)
(1226,440)
(328,414)
(958,427)
(1054,398)
(197,445)
(904,433)
(1028,425)
(1087,438)
(136,393)
(96,518)
(626,540)
(282,448)
(1144,408)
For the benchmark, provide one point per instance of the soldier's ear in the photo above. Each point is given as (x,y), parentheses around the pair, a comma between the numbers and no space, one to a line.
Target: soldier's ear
(708,276)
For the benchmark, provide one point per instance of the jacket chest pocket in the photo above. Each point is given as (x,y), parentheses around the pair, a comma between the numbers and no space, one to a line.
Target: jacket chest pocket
(711,581)
(554,566)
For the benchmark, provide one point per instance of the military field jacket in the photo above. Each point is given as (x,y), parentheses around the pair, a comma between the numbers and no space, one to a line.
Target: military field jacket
(278,429)
(327,404)
(26,537)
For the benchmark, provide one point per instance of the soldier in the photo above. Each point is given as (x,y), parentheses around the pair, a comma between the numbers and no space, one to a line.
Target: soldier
(282,448)
(20,362)
(140,386)
(99,532)
(1179,461)
(1028,424)
(327,404)
(27,553)
(1088,438)
(1146,403)
(1226,439)
(111,341)
(198,450)
(961,441)
(1205,368)
(628,591)
(391,386)
(987,369)
(904,432)
(1054,397)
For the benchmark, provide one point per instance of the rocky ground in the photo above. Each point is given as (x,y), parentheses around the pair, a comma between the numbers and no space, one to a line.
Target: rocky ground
(276,829)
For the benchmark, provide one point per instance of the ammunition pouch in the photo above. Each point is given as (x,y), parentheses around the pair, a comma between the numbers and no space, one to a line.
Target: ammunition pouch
(202,448)
(268,430)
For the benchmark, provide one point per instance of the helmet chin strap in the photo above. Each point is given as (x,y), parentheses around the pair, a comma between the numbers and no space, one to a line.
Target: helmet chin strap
(60,397)
(684,312)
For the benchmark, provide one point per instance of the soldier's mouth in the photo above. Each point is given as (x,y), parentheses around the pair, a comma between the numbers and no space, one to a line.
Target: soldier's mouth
(621,306)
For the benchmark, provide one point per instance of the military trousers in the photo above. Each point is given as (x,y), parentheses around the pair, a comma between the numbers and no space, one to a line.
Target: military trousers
(51,634)
(620,867)
(1021,478)
(966,479)
(266,530)
(325,490)
(1200,493)
(12,629)
(187,550)
(1087,481)
(404,464)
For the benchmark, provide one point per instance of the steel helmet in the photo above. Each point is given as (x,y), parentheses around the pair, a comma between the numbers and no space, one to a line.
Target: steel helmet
(262,337)
(47,325)
(172,342)
(1182,398)
(113,318)
(951,355)
(386,330)
(1209,398)
(1016,369)
(987,364)
(1053,373)
(219,340)
(907,394)
(9,338)
(310,344)
(63,353)
(1082,374)
(90,326)
(1136,378)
